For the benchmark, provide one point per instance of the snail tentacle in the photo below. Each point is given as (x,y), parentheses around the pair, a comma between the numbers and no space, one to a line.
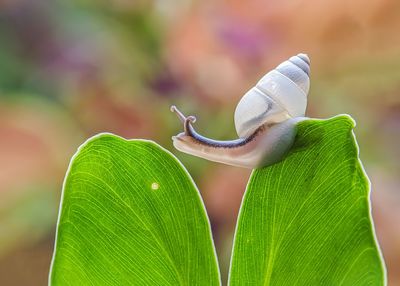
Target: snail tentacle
(202,140)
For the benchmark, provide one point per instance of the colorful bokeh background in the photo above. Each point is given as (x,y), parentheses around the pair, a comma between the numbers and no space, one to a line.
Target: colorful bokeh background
(71,69)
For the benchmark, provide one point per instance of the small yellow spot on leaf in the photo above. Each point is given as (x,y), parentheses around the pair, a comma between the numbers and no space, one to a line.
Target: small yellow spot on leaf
(155,186)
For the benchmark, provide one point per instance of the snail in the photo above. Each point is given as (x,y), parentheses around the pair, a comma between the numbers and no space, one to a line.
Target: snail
(265,120)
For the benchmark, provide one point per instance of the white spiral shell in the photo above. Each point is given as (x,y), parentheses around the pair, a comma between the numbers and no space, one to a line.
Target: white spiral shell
(279,95)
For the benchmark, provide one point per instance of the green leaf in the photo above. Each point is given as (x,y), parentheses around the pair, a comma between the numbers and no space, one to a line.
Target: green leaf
(306,220)
(131,215)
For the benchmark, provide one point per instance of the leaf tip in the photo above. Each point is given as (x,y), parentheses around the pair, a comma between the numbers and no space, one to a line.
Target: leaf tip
(345,118)
(107,137)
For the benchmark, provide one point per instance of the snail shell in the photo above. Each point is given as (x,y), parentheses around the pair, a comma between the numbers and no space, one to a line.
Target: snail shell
(279,95)
(265,120)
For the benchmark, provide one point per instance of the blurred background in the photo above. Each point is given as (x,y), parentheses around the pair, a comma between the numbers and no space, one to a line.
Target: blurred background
(71,69)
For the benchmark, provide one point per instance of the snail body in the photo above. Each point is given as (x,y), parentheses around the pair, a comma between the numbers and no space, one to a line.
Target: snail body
(265,120)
